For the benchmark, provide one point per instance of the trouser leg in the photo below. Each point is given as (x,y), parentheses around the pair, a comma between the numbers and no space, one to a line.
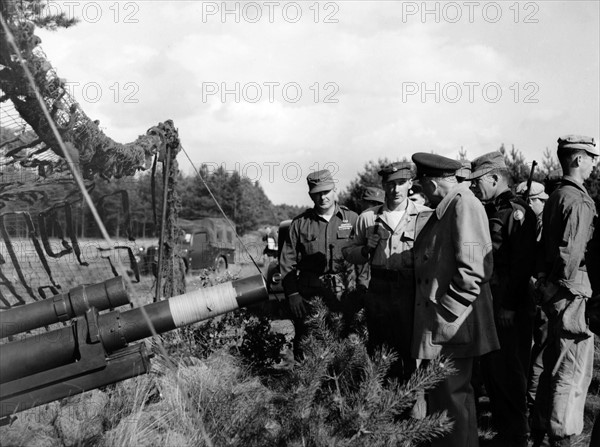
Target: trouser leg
(505,382)
(389,312)
(595,439)
(560,399)
(455,395)
(569,387)
(524,322)
(540,337)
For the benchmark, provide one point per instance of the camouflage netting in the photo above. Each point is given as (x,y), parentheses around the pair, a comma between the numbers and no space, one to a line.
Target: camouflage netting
(44,222)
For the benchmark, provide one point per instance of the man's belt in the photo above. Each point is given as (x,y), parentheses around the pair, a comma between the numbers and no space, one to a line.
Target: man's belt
(311,279)
(388,275)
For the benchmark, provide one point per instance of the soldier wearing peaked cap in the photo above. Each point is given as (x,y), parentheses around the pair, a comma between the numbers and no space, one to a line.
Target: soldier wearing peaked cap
(311,259)
(453,308)
(513,232)
(568,221)
(383,238)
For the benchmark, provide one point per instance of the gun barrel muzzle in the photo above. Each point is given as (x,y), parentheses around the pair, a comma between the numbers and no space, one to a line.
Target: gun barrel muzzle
(115,330)
(105,295)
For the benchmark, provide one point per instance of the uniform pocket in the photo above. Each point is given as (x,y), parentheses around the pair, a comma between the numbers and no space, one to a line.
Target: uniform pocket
(310,243)
(457,332)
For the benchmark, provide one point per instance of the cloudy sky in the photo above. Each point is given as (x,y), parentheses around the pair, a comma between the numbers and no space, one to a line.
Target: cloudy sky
(276,90)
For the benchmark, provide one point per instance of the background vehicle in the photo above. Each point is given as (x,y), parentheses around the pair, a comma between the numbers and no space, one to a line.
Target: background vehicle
(208,242)
(274,285)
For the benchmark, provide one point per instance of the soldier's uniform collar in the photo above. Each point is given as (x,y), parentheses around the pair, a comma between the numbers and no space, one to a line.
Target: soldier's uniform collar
(503,197)
(337,212)
(410,208)
(567,179)
(461,188)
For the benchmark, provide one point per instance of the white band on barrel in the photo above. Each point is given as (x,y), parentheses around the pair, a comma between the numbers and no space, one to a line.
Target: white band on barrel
(202,304)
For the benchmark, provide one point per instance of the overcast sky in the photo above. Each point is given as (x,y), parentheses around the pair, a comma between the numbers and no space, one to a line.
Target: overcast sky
(276,90)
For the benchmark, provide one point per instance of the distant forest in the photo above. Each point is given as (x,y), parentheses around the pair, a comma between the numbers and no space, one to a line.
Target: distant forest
(242,200)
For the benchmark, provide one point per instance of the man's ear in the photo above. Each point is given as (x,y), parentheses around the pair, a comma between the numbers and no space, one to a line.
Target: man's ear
(434,184)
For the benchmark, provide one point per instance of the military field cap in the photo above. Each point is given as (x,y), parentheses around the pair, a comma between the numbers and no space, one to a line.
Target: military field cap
(537,191)
(374,194)
(486,163)
(404,170)
(433,165)
(575,142)
(465,169)
(320,181)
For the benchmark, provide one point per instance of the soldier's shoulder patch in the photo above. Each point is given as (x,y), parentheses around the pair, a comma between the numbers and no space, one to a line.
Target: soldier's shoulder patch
(517,205)
(518,215)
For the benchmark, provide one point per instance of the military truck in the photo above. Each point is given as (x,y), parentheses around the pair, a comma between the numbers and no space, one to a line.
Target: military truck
(208,242)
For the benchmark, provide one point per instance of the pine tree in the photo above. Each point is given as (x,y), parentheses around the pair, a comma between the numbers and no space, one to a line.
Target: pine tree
(339,395)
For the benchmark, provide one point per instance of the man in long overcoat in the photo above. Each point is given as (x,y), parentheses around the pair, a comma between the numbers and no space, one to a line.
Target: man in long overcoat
(453,309)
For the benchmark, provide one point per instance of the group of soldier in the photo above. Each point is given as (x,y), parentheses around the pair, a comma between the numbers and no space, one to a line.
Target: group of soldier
(450,261)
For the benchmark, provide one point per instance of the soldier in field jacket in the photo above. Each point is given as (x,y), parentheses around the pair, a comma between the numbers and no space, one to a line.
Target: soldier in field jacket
(311,259)
(383,238)
(513,231)
(568,221)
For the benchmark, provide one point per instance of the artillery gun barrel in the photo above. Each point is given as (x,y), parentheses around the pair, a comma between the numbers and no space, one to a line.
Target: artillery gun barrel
(106,295)
(114,330)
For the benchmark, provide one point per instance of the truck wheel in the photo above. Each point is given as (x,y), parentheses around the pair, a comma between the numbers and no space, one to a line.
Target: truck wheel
(220,265)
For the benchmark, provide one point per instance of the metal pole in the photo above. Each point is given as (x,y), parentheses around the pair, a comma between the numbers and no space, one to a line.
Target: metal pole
(163,221)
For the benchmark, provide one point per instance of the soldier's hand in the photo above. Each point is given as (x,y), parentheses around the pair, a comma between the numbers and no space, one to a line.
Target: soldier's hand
(297,305)
(373,241)
(548,290)
(507,317)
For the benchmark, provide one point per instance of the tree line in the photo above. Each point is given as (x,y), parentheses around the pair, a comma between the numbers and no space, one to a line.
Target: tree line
(519,167)
(242,200)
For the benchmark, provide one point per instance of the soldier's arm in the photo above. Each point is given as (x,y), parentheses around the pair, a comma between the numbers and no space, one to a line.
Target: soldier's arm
(593,260)
(354,251)
(473,251)
(578,219)
(361,270)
